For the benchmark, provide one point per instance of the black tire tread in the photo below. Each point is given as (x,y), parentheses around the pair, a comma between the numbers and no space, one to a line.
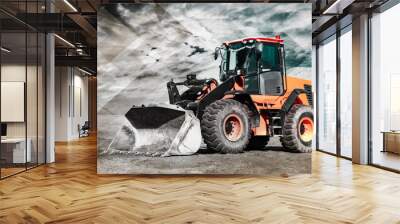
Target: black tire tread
(289,139)
(209,128)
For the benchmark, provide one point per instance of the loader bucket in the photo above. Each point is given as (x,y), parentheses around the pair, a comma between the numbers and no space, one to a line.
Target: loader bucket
(164,130)
(152,117)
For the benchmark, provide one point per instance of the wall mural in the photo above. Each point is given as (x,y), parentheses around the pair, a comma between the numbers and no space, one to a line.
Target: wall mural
(202,88)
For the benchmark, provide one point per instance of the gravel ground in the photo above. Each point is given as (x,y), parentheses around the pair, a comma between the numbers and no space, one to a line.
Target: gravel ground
(273,160)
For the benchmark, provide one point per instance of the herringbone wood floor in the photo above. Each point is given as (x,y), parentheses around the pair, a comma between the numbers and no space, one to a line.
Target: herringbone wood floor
(70,191)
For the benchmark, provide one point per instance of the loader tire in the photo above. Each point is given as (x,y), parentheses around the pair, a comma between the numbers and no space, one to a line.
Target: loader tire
(258,142)
(298,129)
(225,126)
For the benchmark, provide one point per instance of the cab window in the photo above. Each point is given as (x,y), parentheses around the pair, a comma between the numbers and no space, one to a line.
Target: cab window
(251,63)
(270,57)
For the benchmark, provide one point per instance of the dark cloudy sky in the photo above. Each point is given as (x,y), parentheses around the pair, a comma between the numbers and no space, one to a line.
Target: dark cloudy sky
(143,46)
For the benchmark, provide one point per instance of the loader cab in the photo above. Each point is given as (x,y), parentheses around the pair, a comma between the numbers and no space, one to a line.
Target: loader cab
(259,60)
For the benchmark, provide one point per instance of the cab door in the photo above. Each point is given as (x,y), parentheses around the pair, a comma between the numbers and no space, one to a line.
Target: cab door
(251,80)
(271,70)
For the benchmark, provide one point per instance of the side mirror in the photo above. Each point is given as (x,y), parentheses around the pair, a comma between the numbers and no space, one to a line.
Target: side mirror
(191,76)
(216,53)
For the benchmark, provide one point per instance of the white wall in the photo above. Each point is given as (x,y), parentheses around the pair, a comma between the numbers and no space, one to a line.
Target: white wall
(61,103)
(80,104)
(71,102)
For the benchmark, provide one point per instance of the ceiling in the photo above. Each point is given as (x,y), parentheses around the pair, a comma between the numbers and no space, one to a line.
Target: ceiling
(75,22)
(331,15)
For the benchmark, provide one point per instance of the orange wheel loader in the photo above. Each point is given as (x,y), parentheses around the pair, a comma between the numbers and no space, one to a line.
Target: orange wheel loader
(254,101)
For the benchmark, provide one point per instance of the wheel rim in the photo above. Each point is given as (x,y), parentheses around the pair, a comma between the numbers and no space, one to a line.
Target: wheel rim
(306,127)
(233,127)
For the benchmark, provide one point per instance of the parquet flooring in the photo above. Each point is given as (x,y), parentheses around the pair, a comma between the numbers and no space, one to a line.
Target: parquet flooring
(11,170)
(70,191)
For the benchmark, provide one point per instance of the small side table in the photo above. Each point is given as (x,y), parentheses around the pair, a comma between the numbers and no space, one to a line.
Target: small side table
(391,141)
(14,150)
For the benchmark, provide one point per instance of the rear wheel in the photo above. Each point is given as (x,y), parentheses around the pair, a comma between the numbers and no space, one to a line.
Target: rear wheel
(298,129)
(225,126)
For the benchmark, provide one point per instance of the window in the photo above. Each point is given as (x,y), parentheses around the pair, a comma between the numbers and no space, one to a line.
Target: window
(314,86)
(251,63)
(385,89)
(346,93)
(327,96)
(22,77)
(232,60)
(270,57)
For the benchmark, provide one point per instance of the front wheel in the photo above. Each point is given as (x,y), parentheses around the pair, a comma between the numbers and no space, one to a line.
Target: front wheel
(225,126)
(298,129)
